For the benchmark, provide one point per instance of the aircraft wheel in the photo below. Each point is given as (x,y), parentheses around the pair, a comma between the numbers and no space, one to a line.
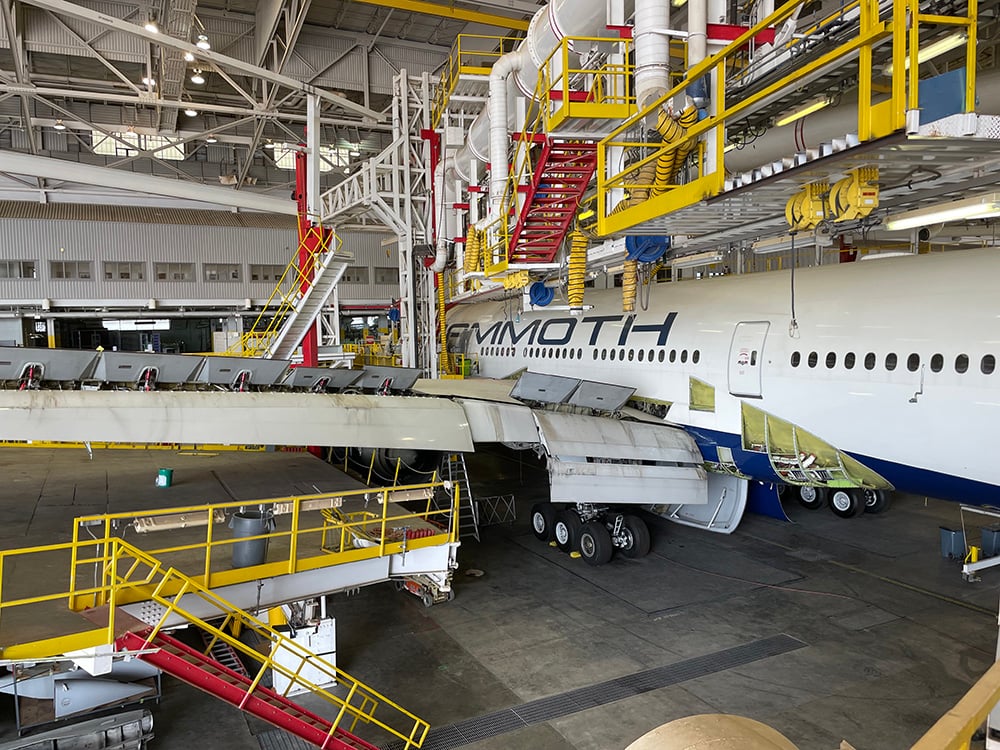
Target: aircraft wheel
(811,497)
(876,501)
(595,543)
(567,530)
(846,503)
(635,535)
(543,519)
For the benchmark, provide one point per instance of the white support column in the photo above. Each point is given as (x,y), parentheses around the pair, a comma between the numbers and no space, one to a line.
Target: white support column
(313,144)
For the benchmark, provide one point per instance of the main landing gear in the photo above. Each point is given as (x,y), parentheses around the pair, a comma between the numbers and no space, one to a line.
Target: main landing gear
(843,502)
(595,533)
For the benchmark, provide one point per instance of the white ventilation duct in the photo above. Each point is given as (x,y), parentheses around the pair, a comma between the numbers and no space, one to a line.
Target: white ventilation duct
(652,51)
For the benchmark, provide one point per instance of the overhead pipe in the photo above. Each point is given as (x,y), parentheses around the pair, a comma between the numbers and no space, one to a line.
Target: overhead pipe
(652,51)
(498,113)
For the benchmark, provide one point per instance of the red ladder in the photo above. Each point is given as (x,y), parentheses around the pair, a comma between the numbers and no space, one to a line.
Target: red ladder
(562,173)
(196,669)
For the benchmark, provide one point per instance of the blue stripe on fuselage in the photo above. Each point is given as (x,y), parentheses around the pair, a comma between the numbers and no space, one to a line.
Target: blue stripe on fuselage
(903,478)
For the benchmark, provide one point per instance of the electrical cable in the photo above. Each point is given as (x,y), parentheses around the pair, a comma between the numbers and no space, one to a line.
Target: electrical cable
(793,327)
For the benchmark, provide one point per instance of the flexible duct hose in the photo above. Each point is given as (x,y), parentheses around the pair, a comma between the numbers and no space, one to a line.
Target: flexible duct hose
(576,277)
(472,247)
(444,364)
(630,281)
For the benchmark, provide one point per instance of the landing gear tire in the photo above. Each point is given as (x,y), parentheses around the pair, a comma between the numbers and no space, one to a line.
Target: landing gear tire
(635,535)
(846,503)
(543,521)
(811,497)
(595,543)
(876,501)
(567,530)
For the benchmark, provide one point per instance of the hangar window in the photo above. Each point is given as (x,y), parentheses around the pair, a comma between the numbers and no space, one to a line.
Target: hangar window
(660,357)
(174,271)
(221,271)
(870,361)
(796,359)
(988,364)
(937,363)
(631,354)
(642,355)
(69,269)
(684,355)
(18,269)
(831,360)
(673,355)
(123,271)
(890,362)
(849,360)
(962,363)
(813,359)
(913,362)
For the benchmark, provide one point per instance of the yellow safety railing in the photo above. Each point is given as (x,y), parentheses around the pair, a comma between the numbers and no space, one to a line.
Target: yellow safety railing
(879,30)
(130,574)
(286,294)
(471,55)
(372,354)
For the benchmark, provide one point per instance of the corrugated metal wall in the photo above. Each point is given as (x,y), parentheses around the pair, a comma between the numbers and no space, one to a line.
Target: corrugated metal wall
(100,241)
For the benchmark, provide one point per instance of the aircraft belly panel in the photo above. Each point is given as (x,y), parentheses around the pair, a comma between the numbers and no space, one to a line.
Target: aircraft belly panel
(235,418)
(492,422)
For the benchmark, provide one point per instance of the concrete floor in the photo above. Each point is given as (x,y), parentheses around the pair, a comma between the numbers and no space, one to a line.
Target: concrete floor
(888,634)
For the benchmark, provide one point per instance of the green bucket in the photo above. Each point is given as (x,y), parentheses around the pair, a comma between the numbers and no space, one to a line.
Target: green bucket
(165,478)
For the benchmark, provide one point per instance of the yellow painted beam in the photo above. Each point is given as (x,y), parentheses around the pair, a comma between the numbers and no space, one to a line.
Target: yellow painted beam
(449,11)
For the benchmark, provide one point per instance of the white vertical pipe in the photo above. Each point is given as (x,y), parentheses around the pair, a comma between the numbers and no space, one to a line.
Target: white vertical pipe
(652,50)
(312,143)
(497,105)
(697,31)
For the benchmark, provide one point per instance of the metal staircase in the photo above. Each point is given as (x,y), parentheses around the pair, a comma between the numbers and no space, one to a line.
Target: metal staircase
(561,175)
(453,470)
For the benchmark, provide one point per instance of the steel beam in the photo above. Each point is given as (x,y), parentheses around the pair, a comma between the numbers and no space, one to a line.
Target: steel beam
(444,11)
(78,11)
(68,171)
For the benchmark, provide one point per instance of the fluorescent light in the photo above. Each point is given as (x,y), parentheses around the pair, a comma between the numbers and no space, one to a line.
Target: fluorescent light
(211,139)
(60,125)
(190,112)
(202,42)
(932,50)
(188,57)
(806,109)
(698,259)
(147,81)
(151,26)
(784,242)
(976,207)
(269,144)
(197,77)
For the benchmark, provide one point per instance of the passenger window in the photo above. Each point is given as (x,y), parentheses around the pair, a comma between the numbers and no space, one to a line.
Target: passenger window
(796,359)
(572,354)
(890,362)
(673,355)
(962,363)
(849,360)
(642,355)
(579,354)
(831,360)
(595,355)
(661,355)
(604,353)
(753,358)
(813,359)
(621,355)
(937,363)
(631,354)
(650,356)
(913,362)
(870,361)
(684,355)
(696,356)
(988,364)
(612,355)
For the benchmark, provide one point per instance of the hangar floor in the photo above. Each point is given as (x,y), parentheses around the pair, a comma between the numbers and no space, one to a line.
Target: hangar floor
(827,629)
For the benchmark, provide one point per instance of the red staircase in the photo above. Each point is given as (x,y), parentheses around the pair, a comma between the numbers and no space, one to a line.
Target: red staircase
(562,172)
(196,669)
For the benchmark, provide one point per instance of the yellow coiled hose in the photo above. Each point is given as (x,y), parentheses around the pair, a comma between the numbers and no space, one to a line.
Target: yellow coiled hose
(444,364)
(630,281)
(472,248)
(576,277)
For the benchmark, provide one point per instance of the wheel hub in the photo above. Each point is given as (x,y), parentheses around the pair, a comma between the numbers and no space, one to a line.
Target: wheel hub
(841,500)
(562,533)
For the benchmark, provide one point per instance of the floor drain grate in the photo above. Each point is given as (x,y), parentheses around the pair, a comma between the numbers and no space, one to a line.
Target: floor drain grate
(556,706)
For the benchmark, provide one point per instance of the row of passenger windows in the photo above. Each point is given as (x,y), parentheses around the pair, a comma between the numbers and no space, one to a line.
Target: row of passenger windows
(890,362)
(641,355)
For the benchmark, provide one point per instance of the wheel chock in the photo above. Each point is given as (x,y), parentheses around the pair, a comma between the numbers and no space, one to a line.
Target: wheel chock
(575,555)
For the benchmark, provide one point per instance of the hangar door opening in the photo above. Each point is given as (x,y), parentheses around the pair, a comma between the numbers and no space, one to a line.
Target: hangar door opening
(746,357)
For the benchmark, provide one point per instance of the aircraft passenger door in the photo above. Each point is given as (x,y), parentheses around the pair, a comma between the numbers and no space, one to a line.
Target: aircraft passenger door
(746,357)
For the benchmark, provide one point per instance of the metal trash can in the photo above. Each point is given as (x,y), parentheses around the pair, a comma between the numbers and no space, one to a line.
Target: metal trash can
(165,478)
(249,523)
(991,540)
(952,543)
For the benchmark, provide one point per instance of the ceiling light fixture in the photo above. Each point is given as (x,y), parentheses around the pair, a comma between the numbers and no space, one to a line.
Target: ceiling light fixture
(698,259)
(202,42)
(197,77)
(190,112)
(211,139)
(147,81)
(799,112)
(189,57)
(784,242)
(59,125)
(977,207)
(151,26)
(354,151)
(932,50)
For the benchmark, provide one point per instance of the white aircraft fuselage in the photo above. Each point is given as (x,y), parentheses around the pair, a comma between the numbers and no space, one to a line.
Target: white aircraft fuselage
(886,377)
